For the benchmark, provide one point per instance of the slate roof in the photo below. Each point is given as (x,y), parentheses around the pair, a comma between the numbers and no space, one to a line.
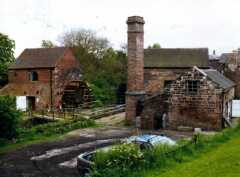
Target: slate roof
(229,58)
(219,78)
(214,57)
(38,58)
(176,58)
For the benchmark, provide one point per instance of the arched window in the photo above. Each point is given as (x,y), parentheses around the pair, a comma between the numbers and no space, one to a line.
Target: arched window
(33,76)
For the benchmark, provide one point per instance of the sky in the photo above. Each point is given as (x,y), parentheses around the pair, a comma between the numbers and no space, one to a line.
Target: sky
(172,23)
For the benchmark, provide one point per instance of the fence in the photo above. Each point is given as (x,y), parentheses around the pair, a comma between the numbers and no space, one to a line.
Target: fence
(73,113)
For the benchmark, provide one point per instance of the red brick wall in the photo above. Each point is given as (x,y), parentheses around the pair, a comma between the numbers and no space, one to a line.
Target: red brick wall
(22,76)
(40,89)
(135,83)
(65,63)
(68,61)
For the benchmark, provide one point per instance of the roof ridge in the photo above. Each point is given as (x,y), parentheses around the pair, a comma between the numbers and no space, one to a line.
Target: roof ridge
(57,47)
(39,57)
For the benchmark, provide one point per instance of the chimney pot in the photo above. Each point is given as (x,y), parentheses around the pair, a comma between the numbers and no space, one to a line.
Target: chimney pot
(135,24)
(135,19)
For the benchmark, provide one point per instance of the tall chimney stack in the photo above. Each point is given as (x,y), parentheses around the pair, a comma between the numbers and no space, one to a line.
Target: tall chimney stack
(135,83)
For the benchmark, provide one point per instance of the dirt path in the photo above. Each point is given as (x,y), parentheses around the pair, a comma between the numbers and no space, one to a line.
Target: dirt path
(58,159)
(18,163)
(113,120)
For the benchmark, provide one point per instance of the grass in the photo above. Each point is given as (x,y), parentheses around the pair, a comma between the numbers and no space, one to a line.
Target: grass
(45,132)
(222,161)
(211,156)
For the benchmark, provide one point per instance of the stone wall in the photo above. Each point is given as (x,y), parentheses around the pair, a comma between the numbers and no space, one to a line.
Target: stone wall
(200,110)
(233,73)
(153,108)
(154,78)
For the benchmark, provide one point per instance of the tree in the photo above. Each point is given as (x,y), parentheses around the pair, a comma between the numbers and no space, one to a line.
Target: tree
(111,73)
(102,66)
(86,40)
(9,117)
(7,47)
(155,46)
(47,44)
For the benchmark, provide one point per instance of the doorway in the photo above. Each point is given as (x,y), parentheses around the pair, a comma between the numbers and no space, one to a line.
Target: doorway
(31,103)
(158,123)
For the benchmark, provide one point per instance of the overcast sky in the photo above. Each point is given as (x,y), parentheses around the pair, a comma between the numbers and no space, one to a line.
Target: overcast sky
(172,23)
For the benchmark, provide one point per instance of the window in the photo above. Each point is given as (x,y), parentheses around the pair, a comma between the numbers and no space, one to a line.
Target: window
(33,76)
(167,83)
(192,86)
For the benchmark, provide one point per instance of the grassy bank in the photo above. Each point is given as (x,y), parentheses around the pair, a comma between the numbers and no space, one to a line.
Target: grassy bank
(45,132)
(208,156)
(223,161)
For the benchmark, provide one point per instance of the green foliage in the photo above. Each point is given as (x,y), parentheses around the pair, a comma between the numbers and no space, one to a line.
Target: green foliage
(121,158)
(47,44)
(161,158)
(103,67)
(54,128)
(9,119)
(155,46)
(46,131)
(6,56)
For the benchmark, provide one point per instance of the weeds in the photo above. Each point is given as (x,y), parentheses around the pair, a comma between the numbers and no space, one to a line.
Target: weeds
(161,157)
(46,131)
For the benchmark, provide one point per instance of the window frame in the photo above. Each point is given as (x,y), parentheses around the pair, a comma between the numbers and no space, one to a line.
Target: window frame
(33,76)
(167,83)
(192,87)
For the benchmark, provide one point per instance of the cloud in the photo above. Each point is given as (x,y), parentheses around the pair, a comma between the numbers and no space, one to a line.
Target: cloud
(172,23)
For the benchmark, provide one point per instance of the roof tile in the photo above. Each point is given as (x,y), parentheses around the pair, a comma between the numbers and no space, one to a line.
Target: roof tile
(38,58)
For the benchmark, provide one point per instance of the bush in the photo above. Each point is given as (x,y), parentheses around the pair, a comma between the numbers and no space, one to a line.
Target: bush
(9,119)
(55,128)
(103,92)
(43,132)
(118,161)
(127,160)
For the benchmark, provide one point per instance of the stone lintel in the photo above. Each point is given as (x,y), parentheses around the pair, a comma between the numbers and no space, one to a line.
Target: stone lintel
(135,93)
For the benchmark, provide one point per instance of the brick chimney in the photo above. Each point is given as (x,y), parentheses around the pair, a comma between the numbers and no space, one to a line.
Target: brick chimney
(135,83)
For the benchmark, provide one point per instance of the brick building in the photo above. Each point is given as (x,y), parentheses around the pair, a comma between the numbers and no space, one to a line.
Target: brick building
(232,68)
(229,65)
(47,78)
(152,71)
(200,98)
(216,62)
(162,66)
